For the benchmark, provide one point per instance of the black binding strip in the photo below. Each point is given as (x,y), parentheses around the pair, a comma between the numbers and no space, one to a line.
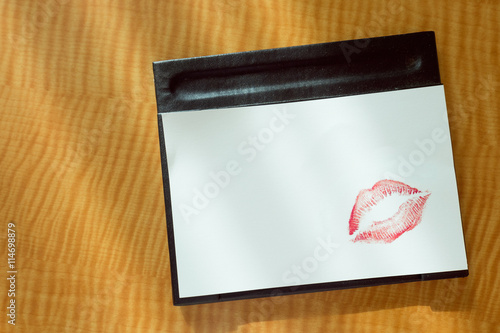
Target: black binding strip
(297,73)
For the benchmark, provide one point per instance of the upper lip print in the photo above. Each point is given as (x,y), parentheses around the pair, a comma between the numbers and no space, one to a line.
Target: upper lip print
(407,216)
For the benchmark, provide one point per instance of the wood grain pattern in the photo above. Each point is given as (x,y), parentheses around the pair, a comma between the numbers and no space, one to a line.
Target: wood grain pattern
(80,163)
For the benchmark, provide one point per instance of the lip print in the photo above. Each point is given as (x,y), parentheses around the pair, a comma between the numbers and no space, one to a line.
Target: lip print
(407,216)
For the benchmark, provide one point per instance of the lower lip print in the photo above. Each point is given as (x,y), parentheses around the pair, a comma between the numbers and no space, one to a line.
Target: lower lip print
(407,216)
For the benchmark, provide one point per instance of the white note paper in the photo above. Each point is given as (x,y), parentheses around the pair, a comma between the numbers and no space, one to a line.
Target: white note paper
(309,192)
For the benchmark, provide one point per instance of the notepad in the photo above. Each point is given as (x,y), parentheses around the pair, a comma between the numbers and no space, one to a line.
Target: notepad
(280,192)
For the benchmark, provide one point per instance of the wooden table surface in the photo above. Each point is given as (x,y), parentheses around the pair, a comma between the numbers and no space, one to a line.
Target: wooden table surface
(80,173)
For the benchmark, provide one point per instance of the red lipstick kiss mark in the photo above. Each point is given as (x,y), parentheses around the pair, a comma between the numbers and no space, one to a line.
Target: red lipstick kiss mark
(407,217)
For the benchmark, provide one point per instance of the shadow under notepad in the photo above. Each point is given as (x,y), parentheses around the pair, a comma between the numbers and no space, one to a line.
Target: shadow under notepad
(448,295)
